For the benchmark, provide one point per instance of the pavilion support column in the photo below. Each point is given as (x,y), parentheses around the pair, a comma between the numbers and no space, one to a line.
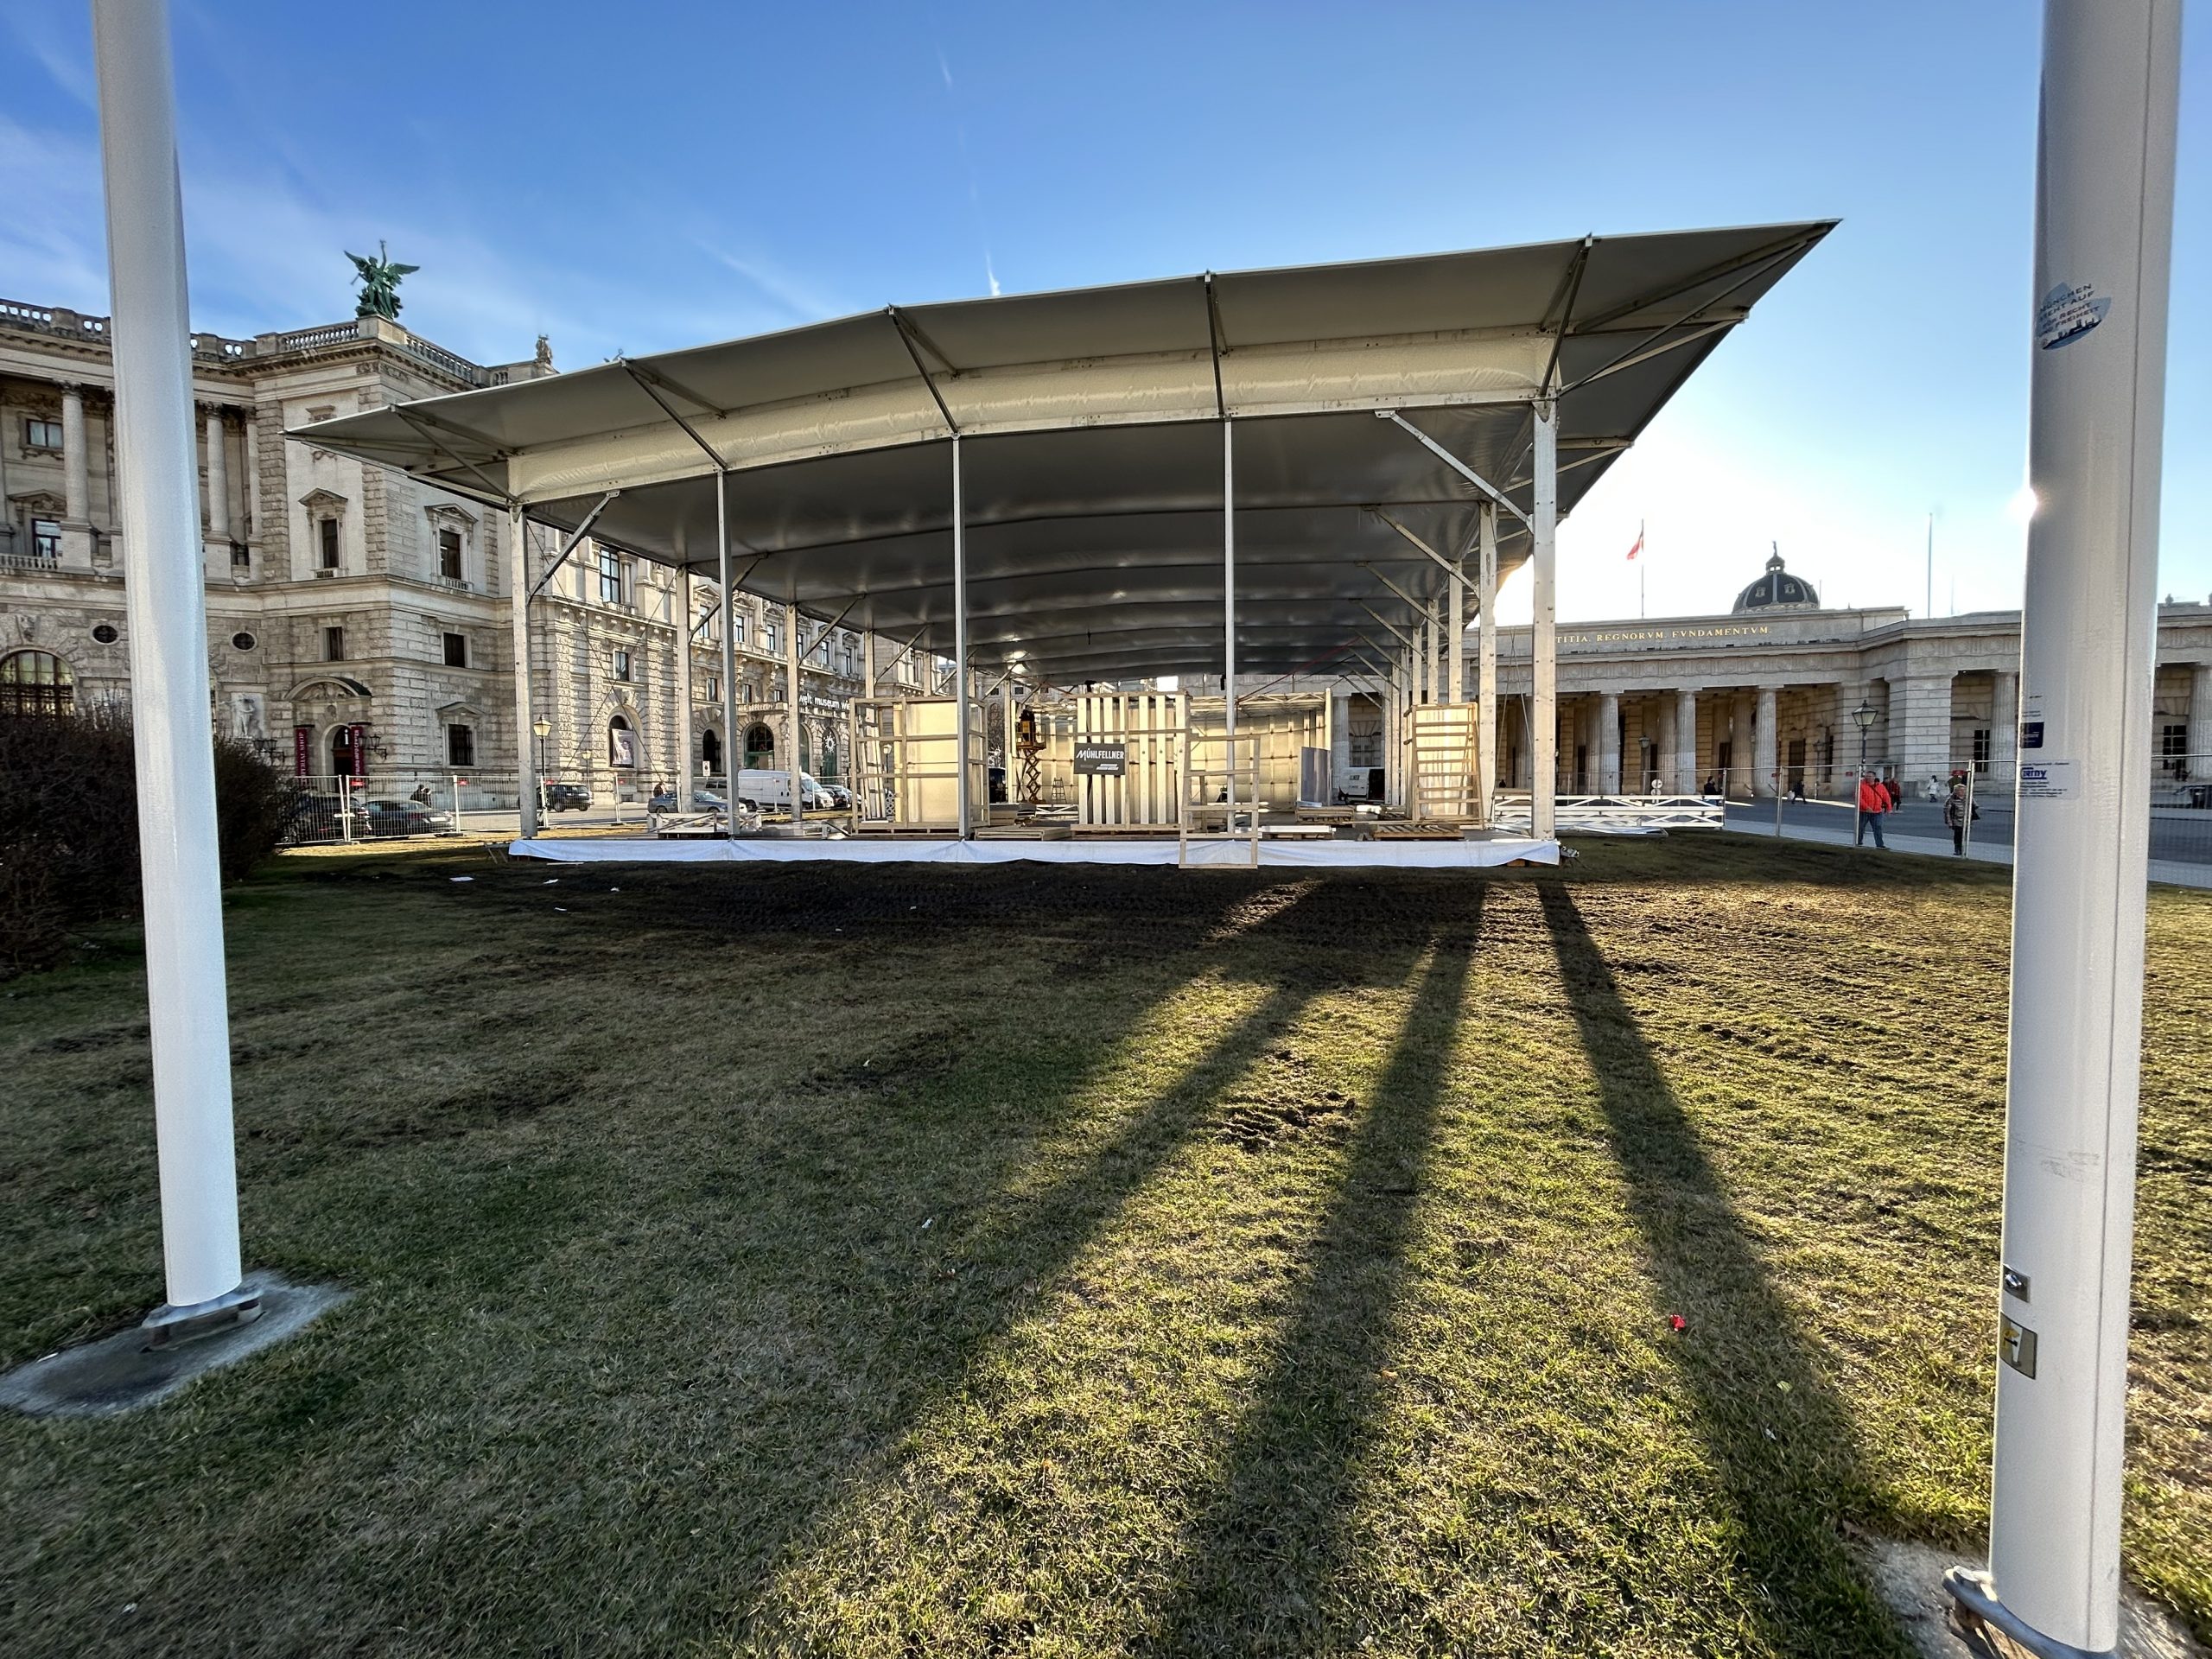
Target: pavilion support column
(962,788)
(1438,691)
(1686,778)
(868,664)
(525,713)
(2104,216)
(1455,654)
(685,742)
(1543,525)
(733,751)
(1486,657)
(793,652)
(1229,583)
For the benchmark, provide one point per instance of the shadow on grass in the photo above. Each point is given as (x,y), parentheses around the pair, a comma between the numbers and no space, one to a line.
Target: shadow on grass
(1262,1567)
(1021,1245)
(1777,1440)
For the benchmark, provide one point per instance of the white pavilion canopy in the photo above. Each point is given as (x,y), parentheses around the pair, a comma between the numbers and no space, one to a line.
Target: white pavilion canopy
(1086,430)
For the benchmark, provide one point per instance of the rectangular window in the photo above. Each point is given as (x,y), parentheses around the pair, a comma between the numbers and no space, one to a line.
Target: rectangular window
(327,529)
(333,645)
(46,538)
(449,555)
(456,650)
(1981,750)
(622,665)
(41,435)
(771,634)
(2173,749)
(460,746)
(241,557)
(737,627)
(714,688)
(610,576)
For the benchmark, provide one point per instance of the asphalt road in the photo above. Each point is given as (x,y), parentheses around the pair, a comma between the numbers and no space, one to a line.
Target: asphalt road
(2177,834)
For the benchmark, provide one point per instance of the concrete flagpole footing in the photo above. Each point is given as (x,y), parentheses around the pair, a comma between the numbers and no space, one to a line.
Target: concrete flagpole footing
(151,1362)
(1946,1609)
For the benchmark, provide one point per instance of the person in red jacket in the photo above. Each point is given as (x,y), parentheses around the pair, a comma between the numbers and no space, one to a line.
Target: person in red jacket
(1874,800)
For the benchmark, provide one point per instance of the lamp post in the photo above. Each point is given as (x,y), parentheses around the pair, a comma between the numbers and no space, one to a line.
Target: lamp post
(542,728)
(1864,717)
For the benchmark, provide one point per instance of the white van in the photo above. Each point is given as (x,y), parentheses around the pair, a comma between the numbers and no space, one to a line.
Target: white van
(774,789)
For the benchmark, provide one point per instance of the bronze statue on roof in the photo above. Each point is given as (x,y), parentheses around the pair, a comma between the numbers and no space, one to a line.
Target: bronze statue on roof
(379,281)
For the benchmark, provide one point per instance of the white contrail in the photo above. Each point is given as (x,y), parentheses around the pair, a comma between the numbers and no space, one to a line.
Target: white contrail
(967,165)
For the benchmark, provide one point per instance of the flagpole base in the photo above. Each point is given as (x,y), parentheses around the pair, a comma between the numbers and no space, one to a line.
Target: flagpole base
(1977,1604)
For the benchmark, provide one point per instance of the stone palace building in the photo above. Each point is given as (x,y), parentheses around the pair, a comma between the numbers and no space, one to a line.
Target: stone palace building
(1763,698)
(348,606)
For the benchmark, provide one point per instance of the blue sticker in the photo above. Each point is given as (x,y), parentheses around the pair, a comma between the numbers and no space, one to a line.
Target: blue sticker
(2031,735)
(2069,311)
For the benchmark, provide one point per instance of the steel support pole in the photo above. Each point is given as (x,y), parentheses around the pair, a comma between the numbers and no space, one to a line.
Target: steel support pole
(733,749)
(1229,576)
(529,763)
(794,623)
(1438,691)
(1544,640)
(960,710)
(1486,656)
(684,739)
(1455,655)
(164,593)
(2104,232)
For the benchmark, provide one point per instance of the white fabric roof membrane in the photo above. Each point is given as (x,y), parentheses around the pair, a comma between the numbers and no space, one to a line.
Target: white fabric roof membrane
(1090,443)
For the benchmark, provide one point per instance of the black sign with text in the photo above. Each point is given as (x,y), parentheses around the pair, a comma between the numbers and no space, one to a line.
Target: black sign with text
(1101,760)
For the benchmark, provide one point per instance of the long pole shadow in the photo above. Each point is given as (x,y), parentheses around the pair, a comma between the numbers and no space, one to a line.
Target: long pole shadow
(1274,1536)
(1778,1440)
(1032,1239)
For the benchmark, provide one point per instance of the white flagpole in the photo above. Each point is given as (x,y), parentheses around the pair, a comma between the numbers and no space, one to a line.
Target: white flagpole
(2103,248)
(164,592)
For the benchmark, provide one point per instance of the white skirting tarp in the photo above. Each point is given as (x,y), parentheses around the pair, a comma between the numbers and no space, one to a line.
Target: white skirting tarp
(1273,854)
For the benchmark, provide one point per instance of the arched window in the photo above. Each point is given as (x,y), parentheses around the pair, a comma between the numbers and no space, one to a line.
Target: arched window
(621,742)
(35,682)
(760,747)
(710,751)
(341,751)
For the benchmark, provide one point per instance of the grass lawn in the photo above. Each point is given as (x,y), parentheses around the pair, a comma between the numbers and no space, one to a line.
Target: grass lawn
(896,1261)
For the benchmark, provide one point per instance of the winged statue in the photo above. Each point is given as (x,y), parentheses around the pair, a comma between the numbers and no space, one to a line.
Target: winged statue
(379,279)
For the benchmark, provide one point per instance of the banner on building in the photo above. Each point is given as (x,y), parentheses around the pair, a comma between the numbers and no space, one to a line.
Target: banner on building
(302,749)
(357,740)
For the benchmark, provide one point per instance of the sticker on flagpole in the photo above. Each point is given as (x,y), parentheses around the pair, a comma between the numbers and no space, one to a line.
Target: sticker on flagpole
(2069,311)
(2047,780)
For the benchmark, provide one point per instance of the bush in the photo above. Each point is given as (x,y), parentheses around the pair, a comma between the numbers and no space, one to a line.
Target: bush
(69,826)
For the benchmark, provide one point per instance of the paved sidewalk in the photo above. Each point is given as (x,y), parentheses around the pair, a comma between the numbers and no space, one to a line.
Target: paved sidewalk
(1758,820)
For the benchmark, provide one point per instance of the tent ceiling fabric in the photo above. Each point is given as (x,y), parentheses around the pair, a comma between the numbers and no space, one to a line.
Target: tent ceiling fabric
(1090,443)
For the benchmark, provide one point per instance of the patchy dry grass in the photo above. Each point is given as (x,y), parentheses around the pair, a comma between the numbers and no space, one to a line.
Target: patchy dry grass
(893,1261)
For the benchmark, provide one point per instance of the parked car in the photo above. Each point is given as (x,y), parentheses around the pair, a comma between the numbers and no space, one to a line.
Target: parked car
(406,818)
(757,789)
(565,797)
(839,797)
(702,800)
(318,817)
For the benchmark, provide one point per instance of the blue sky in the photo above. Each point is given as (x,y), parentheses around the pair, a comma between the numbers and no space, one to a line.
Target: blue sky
(634,177)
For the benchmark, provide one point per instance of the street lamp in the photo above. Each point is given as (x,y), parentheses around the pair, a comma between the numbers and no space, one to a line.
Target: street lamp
(543,728)
(1865,714)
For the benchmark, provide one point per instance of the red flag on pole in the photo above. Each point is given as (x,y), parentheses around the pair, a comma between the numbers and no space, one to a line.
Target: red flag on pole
(1638,548)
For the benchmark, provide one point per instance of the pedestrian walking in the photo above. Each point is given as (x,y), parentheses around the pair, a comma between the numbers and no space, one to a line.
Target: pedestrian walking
(1873,801)
(1956,806)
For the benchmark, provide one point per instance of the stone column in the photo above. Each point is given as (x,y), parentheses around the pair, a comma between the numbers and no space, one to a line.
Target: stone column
(1686,778)
(77,482)
(1920,728)
(2200,722)
(2004,731)
(1765,750)
(218,497)
(1737,782)
(1609,743)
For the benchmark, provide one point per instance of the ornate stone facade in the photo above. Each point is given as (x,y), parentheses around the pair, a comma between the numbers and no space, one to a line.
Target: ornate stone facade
(343,596)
